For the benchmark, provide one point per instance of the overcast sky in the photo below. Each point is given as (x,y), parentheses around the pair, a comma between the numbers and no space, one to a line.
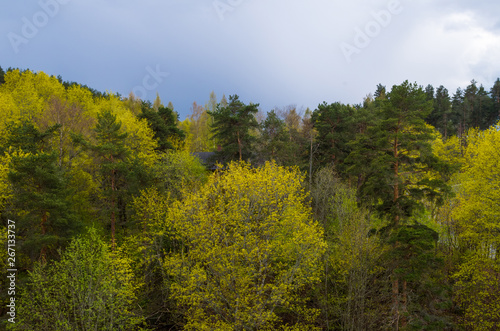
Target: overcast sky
(275,53)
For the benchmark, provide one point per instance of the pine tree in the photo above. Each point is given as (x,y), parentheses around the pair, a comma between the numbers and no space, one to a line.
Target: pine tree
(457,105)
(2,74)
(40,192)
(482,116)
(164,124)
(439,117)
(397,152)
(429,92)
(334,125)
(112,156)
(469,118)
(442,107)
(232,125)
(495,96)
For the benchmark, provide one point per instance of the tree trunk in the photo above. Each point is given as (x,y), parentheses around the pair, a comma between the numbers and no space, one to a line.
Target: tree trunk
(404,303)
(395,303)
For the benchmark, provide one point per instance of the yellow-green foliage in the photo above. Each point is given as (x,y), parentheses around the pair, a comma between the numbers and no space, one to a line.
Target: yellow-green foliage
(449,150)
(477,290)
(181,172)
(5,189)
(478,211)
(478,225)
(22,87)
(351,259)
(251,248)
(91,288)
(8,113)
(140,139)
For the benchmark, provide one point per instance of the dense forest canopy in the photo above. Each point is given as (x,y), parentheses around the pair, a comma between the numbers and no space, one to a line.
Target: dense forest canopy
(379,215)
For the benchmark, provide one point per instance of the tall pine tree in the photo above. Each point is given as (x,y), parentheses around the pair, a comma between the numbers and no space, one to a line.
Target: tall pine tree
(232,126)
(395,153)
(40,189)
(112,157)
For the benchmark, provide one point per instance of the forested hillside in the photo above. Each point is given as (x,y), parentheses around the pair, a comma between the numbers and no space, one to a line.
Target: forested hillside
(375,216)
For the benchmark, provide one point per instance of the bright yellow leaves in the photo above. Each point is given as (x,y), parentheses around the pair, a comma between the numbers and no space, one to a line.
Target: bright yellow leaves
(478,186)
(478,225)
(251,246)
(140,139)
(477,290)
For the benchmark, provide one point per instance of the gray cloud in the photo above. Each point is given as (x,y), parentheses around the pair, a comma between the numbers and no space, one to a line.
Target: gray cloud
(272,53)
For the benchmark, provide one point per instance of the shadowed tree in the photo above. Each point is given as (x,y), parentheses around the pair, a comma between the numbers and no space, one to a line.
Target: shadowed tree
(112,156)
(232,126)
(400,154)
(333,123)
(40,192)
(495,96)
(164,125)
(2,74)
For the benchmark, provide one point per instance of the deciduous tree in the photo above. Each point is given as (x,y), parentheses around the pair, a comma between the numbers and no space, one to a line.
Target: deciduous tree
(90,288)
(252,251)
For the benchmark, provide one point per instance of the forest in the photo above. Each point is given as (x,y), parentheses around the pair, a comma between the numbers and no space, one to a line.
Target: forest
(384,215)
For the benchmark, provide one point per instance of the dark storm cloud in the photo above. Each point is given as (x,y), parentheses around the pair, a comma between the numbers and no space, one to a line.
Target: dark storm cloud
(273,53)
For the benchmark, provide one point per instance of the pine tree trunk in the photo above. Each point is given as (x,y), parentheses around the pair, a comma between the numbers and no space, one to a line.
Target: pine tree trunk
(404,303)
(395,303)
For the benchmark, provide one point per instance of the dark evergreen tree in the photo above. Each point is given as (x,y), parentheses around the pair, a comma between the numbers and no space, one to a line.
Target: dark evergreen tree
(440,115)
(469,118)
(335,129)
(232,125)
(112,157)
(442,107)
(45,219)
(395,150)
(429,92)
(457,113)
(402,141)
(164,124)
(2,74)
(495,98)
(482,115)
